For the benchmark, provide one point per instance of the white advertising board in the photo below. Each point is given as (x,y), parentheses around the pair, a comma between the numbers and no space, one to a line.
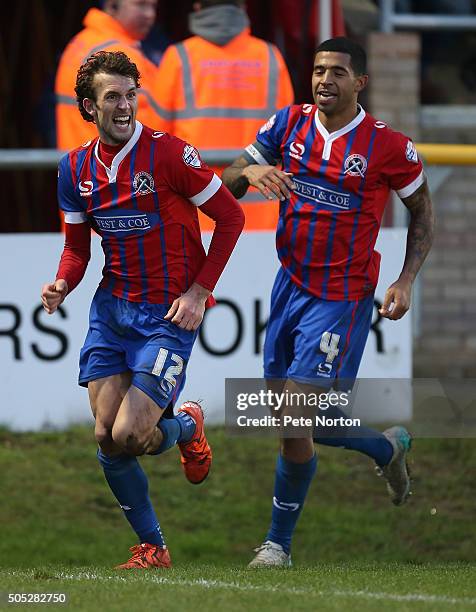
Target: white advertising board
(39,353)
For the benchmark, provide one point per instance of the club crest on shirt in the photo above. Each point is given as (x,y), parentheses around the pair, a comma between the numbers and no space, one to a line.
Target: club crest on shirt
(355,165)
(143,183)
(411,152)
(268,125)
(191,157)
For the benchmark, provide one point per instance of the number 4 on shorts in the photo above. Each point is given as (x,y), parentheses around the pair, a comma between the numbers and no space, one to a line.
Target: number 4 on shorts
(329,343)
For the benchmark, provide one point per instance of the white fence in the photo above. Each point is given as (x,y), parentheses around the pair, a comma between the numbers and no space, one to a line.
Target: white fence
(39,353)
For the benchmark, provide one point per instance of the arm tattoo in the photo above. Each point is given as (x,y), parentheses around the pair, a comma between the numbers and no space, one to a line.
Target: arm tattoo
(420,231)
(233,178)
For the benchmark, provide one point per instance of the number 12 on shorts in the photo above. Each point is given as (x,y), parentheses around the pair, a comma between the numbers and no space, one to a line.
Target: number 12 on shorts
(172,371)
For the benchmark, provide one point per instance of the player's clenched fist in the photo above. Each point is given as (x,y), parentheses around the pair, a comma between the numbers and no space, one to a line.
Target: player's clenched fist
(187,310)
(270,181)
(52,295)
(397,300)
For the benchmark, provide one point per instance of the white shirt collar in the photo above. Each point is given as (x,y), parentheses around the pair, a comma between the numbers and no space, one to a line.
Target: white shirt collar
(330,137)
(347,128)
(112,171)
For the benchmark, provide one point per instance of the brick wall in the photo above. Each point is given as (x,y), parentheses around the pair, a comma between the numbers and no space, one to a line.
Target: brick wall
(394,85)
(446,342)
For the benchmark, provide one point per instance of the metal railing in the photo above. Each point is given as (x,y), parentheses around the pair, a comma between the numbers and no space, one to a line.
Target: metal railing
(447,154)
(390,20)
(433,154)
(22,159)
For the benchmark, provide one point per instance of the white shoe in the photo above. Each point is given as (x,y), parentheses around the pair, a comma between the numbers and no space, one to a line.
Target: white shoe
(396,472)
(270,554)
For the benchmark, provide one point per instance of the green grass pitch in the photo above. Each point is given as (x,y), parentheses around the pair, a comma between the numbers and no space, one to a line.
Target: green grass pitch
(336,587)
(62,531)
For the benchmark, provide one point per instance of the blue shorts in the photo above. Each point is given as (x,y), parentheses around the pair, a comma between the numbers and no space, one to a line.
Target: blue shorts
(314,341)
(134,336)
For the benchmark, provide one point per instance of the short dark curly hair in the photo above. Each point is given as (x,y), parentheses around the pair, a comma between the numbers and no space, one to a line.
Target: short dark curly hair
(110,62)
(341,44)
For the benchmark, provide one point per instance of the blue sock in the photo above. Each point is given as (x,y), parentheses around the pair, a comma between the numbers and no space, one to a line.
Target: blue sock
(178,429)
(290,490)
(368,441)
(129,484)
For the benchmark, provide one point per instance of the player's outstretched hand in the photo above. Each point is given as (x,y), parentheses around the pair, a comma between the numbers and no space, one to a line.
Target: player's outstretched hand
(187,310)
(272,182)
(397,300)
(52,295)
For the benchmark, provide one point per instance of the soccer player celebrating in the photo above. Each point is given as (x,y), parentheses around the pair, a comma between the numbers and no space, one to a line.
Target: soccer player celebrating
(139,189)
(338,167)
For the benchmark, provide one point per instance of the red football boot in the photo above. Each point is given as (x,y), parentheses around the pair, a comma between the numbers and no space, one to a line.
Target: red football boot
(196,454)
(146,556)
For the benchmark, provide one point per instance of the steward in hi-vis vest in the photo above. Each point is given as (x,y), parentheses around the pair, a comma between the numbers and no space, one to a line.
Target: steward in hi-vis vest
(217,88)
(112,29)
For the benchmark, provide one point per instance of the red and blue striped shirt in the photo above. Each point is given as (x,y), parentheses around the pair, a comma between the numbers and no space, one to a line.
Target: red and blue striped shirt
(144,207)
(327,229)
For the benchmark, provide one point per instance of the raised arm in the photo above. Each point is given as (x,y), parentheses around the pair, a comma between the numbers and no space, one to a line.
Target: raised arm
(419,241)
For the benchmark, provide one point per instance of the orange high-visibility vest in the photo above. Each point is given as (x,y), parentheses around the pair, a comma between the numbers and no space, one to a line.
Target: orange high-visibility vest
(217,98)
(101,33)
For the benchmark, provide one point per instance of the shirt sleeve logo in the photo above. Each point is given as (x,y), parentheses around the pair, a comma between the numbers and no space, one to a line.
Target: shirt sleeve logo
(143,183)
(355,165)
(191,157)
(411,152)
(268,125)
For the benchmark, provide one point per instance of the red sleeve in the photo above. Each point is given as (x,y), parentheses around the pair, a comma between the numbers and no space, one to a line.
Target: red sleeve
(76,254)
(230,219)
(402,167)
(185,171)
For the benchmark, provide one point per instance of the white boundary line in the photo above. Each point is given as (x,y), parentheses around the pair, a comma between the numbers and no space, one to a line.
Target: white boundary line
(219,584)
